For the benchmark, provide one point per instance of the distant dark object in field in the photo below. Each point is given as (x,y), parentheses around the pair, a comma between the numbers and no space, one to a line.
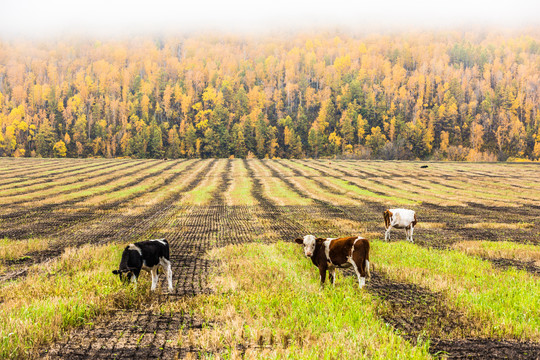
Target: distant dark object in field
(423,166)
(165,159)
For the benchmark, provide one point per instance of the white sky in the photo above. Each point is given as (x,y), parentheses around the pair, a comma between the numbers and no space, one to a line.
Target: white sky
(112,17)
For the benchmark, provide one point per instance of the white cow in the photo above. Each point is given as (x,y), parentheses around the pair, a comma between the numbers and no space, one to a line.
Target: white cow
(399,219)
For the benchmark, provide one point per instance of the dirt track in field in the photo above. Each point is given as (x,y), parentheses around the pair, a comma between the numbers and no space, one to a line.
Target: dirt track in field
(193,230)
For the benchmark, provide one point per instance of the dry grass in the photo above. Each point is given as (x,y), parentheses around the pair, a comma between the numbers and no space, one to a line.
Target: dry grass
(363,189)
(202,193)
(456,183)
(500,249)
(143,197)
(73,189)
(431,225)
(429,195)
(280,168)
(15,249)
(302,168)
(239,191)
(481,192)
(494,225)
(258,168)
(320,166)
(101,194)
(29,173)
(313,190)
(281,194)
(353,228)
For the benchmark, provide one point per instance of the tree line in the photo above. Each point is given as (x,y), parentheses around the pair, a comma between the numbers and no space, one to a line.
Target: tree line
(443,95)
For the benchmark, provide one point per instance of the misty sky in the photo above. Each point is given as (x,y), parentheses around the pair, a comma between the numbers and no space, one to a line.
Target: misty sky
(120,17)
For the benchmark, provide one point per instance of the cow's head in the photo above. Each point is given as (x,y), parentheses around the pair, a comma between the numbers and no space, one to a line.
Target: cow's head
(124,274)
(309,242)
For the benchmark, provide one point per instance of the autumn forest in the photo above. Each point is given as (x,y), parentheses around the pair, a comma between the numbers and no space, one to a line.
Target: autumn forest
(438,96)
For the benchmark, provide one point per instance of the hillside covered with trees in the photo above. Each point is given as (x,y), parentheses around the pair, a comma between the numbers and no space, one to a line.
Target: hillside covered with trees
(445,95)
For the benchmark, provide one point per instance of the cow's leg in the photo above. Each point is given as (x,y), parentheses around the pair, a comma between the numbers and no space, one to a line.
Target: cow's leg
(387,234)
(134,280)
(407,234)
(361,279)
(412,230)
(155,278)
(332,275)
(322,273)
(166,264)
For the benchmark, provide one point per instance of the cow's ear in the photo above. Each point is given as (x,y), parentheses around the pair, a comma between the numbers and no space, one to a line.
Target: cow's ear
(299,240)
(320,240)
(116,272)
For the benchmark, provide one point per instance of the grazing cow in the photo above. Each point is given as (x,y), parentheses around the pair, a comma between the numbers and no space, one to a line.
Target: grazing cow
(399,219)
(327,254)
(145,255)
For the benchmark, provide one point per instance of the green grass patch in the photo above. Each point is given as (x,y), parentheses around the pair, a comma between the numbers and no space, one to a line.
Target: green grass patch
(279,192)
(505,301)
(240,191)
(268,300)
(202,194)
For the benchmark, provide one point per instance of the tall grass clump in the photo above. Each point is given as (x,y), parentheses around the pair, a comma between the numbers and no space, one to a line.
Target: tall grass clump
(505,301)
(268,301)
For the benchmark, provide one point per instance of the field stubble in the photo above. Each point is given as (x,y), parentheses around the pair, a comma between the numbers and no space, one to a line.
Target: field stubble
(315,198)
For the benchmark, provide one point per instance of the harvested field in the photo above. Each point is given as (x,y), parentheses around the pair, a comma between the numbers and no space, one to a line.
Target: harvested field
(482,218)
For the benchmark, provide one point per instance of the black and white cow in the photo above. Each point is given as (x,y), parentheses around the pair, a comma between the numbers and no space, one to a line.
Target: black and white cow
(145,255)
(329,254)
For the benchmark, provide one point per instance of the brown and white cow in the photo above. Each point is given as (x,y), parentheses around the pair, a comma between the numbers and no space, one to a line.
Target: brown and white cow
(399,219)
(329,254)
